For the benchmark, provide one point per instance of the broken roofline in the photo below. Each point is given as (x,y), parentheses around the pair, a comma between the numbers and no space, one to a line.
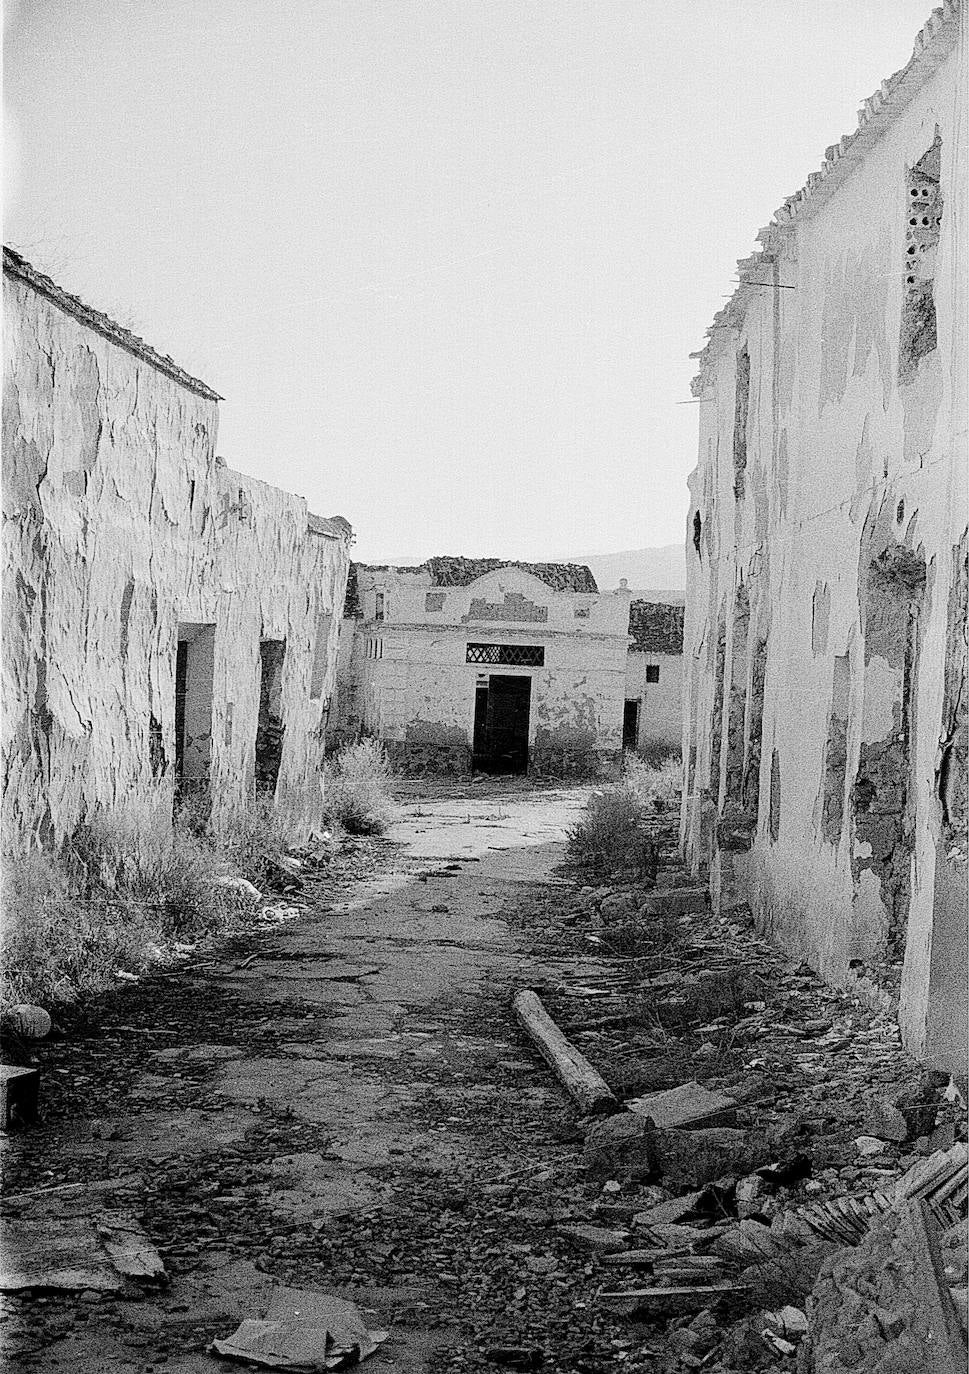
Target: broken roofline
(933,43)
(454,570)
(15,265)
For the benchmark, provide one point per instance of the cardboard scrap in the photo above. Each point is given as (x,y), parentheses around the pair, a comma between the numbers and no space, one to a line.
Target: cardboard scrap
(302,1331)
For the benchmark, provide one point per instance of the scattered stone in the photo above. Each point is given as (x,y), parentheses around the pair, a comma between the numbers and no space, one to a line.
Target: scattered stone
(621,1146)
(698,1157)
(27,1021)
(887,1123)
(600,1239)
(868,1145)
(689,1106)
(666,1212)
(242,886)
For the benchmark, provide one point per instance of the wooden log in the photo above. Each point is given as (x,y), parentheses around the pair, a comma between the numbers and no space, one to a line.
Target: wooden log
(576,1074)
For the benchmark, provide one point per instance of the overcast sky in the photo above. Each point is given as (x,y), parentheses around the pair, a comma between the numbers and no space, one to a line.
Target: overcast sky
(445,259)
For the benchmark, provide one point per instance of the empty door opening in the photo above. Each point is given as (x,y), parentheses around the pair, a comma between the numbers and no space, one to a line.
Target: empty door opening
(630,725)
(194,672)
(501,715)
(270,728)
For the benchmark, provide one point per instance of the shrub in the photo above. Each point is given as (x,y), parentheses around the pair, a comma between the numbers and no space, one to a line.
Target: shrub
(356,791)
(609,837)
(656,787)
(655,752)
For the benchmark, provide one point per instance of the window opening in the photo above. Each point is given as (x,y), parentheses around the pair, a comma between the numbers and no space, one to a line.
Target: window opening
(508,655)
(194,673)
(924,218)
(741,410)
(270,728)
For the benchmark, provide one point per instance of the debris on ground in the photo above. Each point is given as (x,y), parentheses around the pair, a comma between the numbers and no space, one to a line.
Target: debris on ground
(573,1070)
(19,1096)
(54,1239)
(302,1332)
(525,1233)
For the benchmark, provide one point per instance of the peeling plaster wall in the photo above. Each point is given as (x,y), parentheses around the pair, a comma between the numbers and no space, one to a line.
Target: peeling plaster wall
(416,691)
(118,526)
(852,463)
(661,705)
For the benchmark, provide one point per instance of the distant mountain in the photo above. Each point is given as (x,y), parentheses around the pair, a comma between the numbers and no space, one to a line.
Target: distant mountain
(658,570)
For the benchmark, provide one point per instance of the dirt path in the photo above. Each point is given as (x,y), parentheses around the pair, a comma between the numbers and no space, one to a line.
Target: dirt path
(344,1104)
(347,1106)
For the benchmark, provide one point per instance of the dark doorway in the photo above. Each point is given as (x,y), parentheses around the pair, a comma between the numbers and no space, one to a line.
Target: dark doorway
(269,731)
(630,725)
(194,672)
(501,710)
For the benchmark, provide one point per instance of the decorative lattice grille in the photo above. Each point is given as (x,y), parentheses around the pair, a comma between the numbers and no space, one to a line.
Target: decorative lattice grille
(508,655)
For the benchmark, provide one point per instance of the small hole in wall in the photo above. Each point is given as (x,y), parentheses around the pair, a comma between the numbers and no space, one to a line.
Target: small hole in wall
(697,531)
(900,511)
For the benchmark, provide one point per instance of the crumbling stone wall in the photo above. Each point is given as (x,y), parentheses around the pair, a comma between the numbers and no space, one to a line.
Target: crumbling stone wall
(741,412)
(716,730)
(120,525)
(755,728)
(919,330)
(836,753)
(855,403)
(737,711)
(882,814)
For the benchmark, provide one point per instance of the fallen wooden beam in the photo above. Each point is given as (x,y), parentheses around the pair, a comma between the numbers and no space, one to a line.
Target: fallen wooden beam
(576,1074)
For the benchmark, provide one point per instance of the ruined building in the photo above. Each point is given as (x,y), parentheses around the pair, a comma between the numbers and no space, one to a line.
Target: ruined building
(170,626)
(466,664)
(474,662)
(653,712)
(825,692)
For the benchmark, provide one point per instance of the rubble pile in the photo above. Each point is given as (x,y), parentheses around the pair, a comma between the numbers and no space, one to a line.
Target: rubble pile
(772,1133)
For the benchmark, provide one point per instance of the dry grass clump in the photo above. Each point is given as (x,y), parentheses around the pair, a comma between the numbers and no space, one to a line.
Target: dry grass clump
(252,839)
(356,791)
(657,786)
(609,838)
(115,898)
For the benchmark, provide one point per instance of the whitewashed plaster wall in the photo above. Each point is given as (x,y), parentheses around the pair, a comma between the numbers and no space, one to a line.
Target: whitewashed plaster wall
(661,708)
(119,526)
(849,471)
(412,685)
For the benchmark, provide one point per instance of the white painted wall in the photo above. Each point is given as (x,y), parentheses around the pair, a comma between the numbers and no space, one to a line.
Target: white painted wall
(661,705)
(119,526)
(836,449)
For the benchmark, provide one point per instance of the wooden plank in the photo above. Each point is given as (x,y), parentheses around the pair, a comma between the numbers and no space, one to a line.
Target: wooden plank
(588,1088)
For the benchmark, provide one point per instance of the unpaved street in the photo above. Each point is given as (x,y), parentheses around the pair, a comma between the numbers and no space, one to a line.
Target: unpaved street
(342,1102)
(350,1109)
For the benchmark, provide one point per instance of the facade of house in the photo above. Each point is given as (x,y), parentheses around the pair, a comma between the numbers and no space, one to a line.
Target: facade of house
(653,716)
(474,663)
(170,626)
(825,640)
